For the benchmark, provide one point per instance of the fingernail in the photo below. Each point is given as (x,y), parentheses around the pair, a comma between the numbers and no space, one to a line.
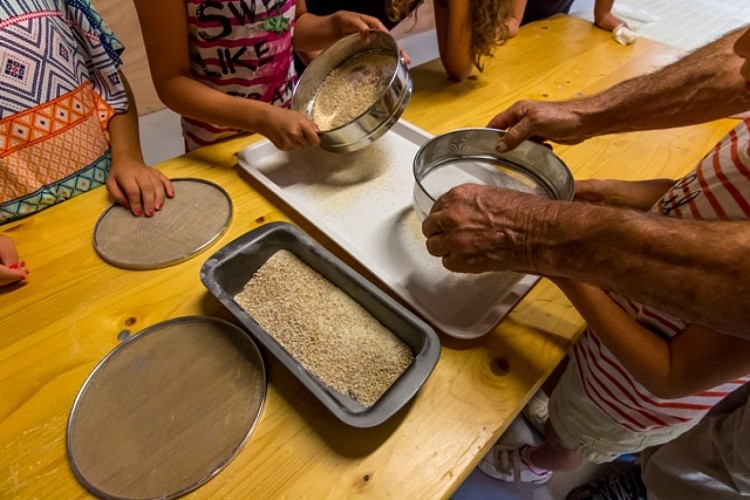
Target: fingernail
(137,212)
(23,278)
(159,206)
(501,147)
(171,195)
(13,266)
(149,213)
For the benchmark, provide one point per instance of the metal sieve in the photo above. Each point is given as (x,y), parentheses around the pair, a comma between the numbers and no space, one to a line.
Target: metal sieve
(376,120)
(166,410)
(466,156)
(198,214)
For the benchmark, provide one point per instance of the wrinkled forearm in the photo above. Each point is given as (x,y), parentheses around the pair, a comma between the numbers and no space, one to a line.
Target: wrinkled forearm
(665,262)
(703,86)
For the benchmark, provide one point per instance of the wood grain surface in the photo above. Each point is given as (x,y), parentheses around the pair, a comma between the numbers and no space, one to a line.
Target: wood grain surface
(56,327)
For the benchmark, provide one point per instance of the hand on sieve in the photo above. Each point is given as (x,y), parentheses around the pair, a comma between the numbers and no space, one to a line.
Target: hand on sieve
(477,228)
(540,121)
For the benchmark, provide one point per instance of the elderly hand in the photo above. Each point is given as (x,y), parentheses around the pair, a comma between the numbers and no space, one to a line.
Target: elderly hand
(136,186)
(12,270)
(538,120)
(476,228)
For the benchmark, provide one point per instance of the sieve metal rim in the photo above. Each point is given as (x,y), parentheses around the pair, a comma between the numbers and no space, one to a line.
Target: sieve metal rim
(137,267)
(253,346)
(479,143)
(518,167)
(362,130)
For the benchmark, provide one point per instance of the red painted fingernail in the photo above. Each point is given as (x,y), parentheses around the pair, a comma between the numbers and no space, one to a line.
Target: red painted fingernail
(13,266)
(159,206)
(149,212)
(23,278)
(138,212)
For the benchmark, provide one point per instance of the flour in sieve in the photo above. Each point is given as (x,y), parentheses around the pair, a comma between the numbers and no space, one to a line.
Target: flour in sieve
(352,88)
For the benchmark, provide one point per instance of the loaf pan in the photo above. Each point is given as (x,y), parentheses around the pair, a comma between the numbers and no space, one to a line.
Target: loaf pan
(227,271)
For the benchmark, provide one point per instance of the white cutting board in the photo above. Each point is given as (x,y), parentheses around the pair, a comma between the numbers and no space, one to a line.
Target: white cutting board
(363,201)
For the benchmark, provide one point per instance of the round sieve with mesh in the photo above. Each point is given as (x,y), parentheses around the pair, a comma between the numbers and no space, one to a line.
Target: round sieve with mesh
(166,410)
(197,215)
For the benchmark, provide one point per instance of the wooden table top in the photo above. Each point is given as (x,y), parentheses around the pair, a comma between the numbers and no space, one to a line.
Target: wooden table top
(56,327)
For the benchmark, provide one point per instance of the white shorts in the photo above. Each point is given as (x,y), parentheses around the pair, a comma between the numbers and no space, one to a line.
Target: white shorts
(590,432)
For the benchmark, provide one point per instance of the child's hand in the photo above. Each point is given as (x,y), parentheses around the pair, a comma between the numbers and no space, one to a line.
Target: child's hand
(11,269)
(513,24)
(638,195)
(404,56)
(352,22)
(347,22)
(289,130)
(136,186)
(609,21)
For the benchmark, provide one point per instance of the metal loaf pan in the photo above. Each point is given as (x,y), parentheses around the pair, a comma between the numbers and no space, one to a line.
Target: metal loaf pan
(228,270)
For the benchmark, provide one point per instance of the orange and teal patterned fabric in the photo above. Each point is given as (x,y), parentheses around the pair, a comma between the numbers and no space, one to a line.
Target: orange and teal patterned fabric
(59,87)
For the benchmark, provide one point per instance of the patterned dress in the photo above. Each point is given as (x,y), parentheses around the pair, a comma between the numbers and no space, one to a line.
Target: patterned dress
(59,87)
(241,48)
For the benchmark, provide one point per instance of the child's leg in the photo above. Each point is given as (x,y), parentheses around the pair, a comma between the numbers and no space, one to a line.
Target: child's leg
(552,454)
(530,464)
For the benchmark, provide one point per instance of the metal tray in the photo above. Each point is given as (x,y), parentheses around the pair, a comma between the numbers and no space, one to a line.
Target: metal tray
(363,201)
(228,270)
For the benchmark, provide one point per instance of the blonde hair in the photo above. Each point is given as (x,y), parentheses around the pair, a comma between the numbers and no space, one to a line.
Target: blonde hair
(488,28)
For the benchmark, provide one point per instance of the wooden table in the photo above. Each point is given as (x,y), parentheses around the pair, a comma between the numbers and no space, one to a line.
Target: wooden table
(57,326)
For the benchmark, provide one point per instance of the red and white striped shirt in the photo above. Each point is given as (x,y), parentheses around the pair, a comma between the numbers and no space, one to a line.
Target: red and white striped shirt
(718,188)
(241,48)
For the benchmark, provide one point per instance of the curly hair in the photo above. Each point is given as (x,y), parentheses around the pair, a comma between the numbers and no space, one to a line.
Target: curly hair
(488,29)
(398,10)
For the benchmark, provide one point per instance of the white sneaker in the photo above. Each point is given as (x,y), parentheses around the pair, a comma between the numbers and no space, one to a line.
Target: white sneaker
(536,411)
(511,463)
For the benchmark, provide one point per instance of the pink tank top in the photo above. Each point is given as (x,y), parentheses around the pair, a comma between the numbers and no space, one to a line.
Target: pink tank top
(241,48)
